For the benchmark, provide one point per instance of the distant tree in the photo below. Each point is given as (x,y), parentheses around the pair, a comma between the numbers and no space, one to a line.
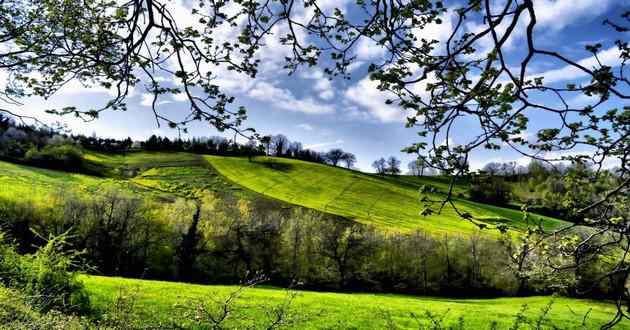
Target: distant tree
(537,168)
(349,159)
(417,167)
(393,166)
(334,156)
(251,147)
(266,142)
(380,165)
(492,168)
(294,150)
(279,145)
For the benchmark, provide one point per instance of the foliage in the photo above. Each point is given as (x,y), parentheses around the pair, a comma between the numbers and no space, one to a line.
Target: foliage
(64,156)
(490,190)
(46,277)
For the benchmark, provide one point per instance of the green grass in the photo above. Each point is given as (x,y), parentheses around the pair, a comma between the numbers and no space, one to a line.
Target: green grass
(150,174)
(128,165)
(39,185)
(159,301)
(391,203)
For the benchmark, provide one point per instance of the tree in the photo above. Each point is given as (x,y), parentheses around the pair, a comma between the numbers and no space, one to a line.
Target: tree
(417,167)
(393,166)
(349,159)
(380,165)
(266,141)
(295,149)
(462,77)
(334,156)
(279,144)
(492,168)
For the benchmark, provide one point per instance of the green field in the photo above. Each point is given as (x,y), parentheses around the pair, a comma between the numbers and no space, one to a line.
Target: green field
(146,173)
(162,301)
(390,203)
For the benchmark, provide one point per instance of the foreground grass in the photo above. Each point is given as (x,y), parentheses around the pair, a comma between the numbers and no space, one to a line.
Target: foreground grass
(164,301)
(386,202)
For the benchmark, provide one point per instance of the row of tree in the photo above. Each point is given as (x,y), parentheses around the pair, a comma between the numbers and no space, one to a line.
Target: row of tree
(390,166)
(220,238)
(17,139)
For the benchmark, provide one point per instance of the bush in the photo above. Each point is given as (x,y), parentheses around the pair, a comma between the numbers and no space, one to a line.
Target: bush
(61,156)
(45,278)
(491,190)
(16,313)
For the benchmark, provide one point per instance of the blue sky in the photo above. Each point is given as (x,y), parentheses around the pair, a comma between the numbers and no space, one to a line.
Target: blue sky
(323,114)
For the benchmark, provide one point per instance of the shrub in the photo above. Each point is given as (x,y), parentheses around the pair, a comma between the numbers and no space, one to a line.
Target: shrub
(45,277)
(491,190)
(16,313)
(63,156)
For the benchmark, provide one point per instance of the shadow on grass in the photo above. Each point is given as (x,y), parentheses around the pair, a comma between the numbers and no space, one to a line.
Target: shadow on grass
(274,165)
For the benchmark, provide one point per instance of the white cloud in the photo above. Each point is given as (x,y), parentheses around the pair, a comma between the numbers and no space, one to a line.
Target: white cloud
(306,127)
(323,86)
(366,94)
(284,99)
(367,49)
(324,145)
(557,14)
(147,100)
(610,57)
(181,97)
(76,87)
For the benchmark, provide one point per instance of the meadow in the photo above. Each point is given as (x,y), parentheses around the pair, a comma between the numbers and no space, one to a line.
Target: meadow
(386,202)
(158,301)
(389,203)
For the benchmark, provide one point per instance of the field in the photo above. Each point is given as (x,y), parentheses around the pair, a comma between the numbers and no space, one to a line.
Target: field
(159,301)
(153,175)
(390,203)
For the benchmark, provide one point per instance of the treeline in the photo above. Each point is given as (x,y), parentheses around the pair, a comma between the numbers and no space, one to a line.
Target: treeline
(544,188)
(46,147)
(220,238)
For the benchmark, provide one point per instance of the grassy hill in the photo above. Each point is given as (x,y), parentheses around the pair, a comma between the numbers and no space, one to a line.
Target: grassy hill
(162,301)
(390,203)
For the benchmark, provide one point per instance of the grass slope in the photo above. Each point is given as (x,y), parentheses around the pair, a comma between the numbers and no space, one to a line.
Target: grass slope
(153,175)
(390,203)
(157,301)
(387,202)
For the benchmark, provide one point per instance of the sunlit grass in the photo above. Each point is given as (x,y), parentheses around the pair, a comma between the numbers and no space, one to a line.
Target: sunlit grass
(391,203)
(161,301)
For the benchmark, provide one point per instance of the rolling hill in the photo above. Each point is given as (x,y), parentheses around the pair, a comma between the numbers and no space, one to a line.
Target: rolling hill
(390,203)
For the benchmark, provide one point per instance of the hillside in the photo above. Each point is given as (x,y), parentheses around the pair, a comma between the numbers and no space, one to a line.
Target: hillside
(391,203)
(163,301)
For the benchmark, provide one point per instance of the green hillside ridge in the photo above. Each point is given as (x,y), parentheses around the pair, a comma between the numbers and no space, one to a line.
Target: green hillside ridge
(390,203)
(163,301)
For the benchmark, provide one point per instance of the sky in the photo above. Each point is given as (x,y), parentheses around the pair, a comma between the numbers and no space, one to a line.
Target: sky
(349,114)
